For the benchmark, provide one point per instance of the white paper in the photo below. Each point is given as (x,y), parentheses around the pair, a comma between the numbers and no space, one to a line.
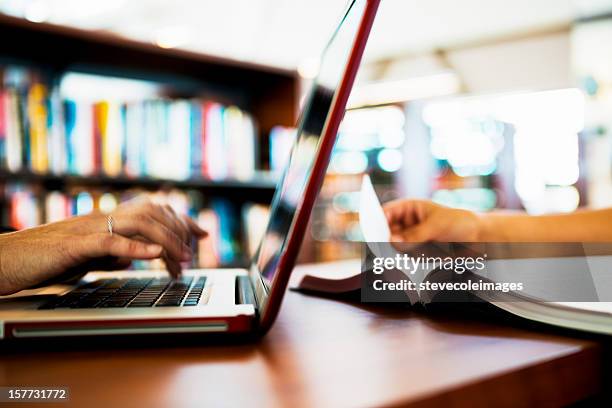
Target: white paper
(375,229)
(372,220)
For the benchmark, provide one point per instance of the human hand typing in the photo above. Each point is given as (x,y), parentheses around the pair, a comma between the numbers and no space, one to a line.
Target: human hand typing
(140,230)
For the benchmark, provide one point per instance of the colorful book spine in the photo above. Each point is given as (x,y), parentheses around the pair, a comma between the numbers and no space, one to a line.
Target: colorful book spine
(196,142)
(254,223)
(37,119)
(239,145)
(228,231)
(3,126)
(216,167)
(135,142)
(58,161)
(109,133)
(57,207)
(70,118)
(176,139)
(82,140)
(14,131)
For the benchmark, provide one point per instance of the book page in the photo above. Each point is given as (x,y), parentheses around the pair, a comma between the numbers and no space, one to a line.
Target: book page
(372,220)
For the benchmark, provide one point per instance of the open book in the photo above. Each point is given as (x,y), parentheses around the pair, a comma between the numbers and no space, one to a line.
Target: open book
(586,295)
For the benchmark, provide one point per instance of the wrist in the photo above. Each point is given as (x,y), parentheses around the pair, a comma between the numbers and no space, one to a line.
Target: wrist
(91,223)
(8,283)
(484,226)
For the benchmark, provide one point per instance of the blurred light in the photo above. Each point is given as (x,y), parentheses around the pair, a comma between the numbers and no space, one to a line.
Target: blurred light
(320,231)
(353,232)
(55,206)
(552,156)
(349,163)
(546,147)
(465,134)
(346,202)
(390,160)
(557,109)
(463,146)
(309,68)
(371,128)
(84,203)
(37,11)
(108,202)
(475,199)
(26,210)
(468,133)
(90,87)
(392,138)
(360,121)
(356,141)
(552,199)
(380,93)
(172,37)
(483,170)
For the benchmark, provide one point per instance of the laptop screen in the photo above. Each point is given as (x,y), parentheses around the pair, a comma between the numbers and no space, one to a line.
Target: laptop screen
(289,193)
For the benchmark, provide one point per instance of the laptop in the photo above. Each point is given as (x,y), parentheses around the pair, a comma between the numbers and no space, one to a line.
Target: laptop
(214,300)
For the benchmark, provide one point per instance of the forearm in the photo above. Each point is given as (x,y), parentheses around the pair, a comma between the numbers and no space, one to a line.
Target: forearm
(579,226)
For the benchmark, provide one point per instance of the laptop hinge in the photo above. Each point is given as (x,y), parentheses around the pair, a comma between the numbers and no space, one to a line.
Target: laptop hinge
(260,291)
(245,294)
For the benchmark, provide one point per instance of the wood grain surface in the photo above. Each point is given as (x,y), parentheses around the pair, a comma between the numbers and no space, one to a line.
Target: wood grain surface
(324,353)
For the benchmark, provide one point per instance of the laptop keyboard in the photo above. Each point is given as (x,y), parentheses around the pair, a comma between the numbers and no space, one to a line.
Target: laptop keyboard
(132,292)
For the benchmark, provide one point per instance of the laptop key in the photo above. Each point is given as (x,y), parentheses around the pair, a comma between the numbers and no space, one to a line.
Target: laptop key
(141,304)
(134,292)
(86,304)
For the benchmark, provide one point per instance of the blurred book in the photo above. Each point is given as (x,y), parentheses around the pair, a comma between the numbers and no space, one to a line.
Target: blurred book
(208,249)
(177,139)
(214,166)
(254,220)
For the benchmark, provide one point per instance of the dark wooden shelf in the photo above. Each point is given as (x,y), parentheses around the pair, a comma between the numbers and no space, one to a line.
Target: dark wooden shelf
(260,189)
(270,94)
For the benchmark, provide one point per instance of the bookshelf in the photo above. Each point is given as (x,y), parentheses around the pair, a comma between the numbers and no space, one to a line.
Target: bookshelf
(260,189)
(266,96)
(270,94)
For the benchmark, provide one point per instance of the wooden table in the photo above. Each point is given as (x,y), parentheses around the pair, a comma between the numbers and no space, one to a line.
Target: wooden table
(329,353)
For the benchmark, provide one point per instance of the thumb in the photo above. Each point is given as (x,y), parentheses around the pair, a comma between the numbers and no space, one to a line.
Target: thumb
(411,237)
(416,234)
(104,244)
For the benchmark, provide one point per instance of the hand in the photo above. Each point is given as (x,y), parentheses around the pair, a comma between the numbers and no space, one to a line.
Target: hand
(141,230)
(422,221)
